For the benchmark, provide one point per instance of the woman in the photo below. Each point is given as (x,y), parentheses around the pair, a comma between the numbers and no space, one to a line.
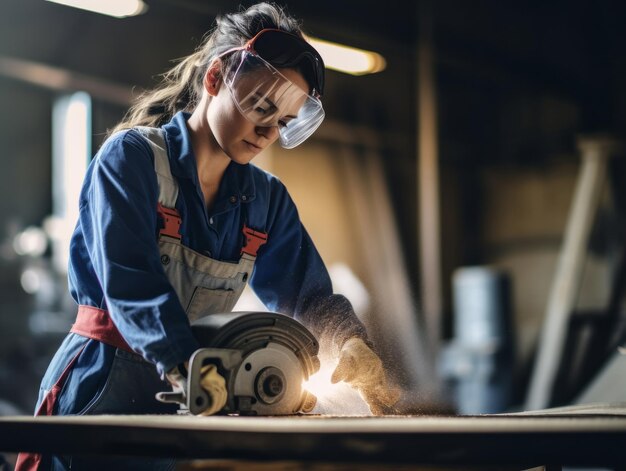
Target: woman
(173,223)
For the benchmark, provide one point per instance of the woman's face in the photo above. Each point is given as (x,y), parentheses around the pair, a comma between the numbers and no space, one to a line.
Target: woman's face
(238,136)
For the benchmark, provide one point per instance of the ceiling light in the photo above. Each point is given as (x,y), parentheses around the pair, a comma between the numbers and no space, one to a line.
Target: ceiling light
(117,8)
(349,60)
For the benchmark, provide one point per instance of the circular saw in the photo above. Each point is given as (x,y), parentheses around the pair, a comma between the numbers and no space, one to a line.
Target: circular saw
(264,358)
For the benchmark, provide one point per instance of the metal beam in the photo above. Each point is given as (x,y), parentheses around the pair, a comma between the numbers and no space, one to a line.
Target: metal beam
(59,79)
(561,302)
(428,180)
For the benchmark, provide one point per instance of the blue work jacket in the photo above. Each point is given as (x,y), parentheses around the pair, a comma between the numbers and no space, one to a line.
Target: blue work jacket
(115,262)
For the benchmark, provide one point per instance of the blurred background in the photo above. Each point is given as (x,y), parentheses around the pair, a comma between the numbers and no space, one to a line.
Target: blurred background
(466,194)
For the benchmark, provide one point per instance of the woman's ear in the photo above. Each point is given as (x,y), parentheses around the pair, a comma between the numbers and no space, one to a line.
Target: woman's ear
(212,77)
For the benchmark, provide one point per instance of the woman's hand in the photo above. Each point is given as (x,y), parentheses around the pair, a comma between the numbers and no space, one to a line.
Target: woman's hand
(214,384)
(210,380)
(362,369)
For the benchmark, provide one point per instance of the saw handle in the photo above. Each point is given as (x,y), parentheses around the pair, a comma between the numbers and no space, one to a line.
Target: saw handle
(177,397)
(189,392)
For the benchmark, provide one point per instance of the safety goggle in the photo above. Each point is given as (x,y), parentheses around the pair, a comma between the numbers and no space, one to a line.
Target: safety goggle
(265,96)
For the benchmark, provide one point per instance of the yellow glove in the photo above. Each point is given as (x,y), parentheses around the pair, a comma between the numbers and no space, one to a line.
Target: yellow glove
(210,380)
(360,367)
(215,384)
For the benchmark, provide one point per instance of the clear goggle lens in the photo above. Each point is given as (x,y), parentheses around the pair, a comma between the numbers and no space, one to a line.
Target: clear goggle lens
(267,98)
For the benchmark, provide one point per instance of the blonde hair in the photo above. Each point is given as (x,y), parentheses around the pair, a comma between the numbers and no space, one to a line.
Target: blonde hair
(180,88)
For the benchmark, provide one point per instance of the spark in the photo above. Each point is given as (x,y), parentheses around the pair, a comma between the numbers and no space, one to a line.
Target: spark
(319,383)
(337,399)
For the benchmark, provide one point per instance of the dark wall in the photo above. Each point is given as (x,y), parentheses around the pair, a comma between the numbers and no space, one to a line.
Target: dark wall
(517,83)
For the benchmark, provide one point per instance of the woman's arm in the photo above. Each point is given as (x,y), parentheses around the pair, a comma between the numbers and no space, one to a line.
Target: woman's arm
(118,221)
(290,276)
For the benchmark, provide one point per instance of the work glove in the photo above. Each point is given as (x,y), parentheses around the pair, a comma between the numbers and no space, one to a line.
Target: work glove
(210,380)
(361,368)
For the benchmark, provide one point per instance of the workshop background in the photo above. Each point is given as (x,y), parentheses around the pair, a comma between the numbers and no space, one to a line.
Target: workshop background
(438,190)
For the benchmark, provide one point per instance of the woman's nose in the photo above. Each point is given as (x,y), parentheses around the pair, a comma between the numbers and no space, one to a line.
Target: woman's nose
(268,132)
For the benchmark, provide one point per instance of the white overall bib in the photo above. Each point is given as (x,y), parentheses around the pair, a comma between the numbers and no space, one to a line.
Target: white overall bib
(204,285)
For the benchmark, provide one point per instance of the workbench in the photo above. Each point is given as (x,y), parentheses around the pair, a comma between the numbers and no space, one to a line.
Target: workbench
(583,435)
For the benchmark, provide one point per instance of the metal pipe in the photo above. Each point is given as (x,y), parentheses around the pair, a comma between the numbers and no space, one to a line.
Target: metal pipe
(428,178)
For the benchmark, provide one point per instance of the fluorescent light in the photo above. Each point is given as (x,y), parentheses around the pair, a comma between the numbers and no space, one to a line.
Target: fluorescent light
(349,60)
(117,8)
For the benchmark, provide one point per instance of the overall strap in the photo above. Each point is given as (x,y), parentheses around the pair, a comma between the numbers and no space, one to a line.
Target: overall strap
(168,186)
(252,239)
